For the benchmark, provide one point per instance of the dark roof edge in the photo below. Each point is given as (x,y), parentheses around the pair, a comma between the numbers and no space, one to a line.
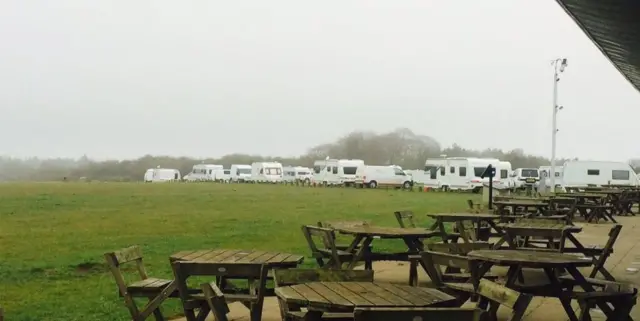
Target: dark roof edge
(579,23)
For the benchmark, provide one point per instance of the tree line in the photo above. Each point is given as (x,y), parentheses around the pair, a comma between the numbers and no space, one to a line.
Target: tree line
(399,147)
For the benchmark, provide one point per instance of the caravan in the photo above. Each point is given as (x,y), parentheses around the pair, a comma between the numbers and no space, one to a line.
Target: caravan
(294,174)
(202,172)
(158,175)
(336,171)
(463,173)
(546,170)
(240,173)
(266,172)
(597,173)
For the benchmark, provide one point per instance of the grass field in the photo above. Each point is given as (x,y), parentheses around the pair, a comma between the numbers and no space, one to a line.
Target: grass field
(53,235)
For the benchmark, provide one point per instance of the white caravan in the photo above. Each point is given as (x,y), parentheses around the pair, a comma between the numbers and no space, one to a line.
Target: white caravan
(374,176)
(266,172)
(202,172)
(297,174)
(157,175)
(586,173)
(336,171)
(545,170)
(522,176)
(240,173)
(463,173)
(221,175)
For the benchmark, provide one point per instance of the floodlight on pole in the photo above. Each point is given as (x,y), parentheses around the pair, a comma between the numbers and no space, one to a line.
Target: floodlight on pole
(558,67)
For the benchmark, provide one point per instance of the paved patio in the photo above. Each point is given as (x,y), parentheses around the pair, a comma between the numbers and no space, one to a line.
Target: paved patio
(624,264)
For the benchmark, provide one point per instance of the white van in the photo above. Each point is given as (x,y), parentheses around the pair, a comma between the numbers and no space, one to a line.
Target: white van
(202,172)
(463,173)
(586,173)
(266,172)
(374,176)
(522,176)
(336,171)
(222,175)
(240,173)
(293,174)
(159,175)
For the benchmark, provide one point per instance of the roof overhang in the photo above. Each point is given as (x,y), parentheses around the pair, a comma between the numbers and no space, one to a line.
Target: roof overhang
(614,27)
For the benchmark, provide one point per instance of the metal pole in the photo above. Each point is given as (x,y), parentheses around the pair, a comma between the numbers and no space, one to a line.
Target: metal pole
(554,129)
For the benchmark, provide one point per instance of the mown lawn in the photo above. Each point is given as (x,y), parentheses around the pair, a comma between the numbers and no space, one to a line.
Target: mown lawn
(53,235)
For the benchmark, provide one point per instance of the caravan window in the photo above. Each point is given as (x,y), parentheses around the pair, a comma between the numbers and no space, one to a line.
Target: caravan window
(273,171)
(261,171)
(620,175)
(398,171)
(593,172)
(317,169)
(452,170)
(504,173)
(243,171)
(478,171)
(349,170)
(462,171)
(429,168)
(328,168)
(335,170)
(442,171)
(210,171)
(226,171)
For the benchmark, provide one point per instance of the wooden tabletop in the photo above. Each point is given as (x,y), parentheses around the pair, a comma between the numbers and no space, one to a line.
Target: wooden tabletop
(386,232)
(541,226)
(466,216)
(522,203)
(238,256)
(345,296)
(530,259)
(581,195)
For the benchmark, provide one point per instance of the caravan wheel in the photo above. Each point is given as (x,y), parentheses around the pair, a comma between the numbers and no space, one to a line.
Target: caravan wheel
(373,184)
(406,185)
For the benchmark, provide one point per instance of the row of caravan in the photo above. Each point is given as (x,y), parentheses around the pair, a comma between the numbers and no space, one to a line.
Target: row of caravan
(324,172)
(464,173)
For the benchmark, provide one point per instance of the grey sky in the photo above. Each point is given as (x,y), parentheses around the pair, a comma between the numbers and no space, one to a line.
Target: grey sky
(120,79)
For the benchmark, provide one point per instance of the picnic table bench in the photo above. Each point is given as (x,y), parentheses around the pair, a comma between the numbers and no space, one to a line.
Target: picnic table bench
(549,232)
(344,297)
(551,263)
(539,205)
(250,265)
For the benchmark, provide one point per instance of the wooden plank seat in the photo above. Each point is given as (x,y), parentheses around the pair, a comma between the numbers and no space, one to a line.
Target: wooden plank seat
(156,290)
(286,277)
(325,249)
(405,220)
(417,314)
(368,264)
(493,295)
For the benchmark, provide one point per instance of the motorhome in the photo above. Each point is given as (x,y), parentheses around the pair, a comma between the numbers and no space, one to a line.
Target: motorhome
(297,174)
(464,173)
(523,176)
(375,176)
(202,172)
(221,175)
(336,171)
(158,175)
(597,173)
(546,170)
(266,172)
(240,173)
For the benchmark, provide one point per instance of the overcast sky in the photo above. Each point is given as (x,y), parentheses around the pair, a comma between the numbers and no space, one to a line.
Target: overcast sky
(120,79)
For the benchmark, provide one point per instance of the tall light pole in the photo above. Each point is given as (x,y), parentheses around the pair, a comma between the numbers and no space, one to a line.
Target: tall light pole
(558,67)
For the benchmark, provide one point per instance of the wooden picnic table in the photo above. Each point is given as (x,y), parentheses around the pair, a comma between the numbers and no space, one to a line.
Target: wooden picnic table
(514,204)
(459,218)
(208,263)
(271,259)
(365,234)
(344,297)
(591,205)
(551,263)
(549,232)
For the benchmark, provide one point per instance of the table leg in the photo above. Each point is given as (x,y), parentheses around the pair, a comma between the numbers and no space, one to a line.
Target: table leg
(565,299)
(584,284)
(360,253)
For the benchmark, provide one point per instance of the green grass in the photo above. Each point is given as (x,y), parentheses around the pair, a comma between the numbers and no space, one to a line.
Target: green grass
(53,235)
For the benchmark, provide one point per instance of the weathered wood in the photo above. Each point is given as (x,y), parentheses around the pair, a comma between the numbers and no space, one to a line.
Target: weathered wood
(386,232)
(417,314)
(345,296)
(598,264)
(156,290)
(500,295)
(458,248)
(405,219)
(529,259)
(284,277)
(328,250)
(217,303)
(271,259)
